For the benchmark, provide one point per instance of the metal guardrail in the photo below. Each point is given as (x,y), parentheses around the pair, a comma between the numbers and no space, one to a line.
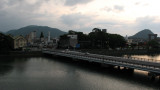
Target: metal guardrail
(136,63)
(142,59)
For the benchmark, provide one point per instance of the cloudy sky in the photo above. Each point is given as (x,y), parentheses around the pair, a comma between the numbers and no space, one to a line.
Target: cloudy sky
(125,17)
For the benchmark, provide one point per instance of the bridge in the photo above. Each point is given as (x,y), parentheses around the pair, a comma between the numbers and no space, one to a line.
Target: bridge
(149,65)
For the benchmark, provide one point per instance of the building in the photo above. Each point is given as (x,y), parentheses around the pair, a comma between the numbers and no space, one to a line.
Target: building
(68,41)
(104,30)
(31,38)
(152,36)
(19,42)
(49,37)
(73,40)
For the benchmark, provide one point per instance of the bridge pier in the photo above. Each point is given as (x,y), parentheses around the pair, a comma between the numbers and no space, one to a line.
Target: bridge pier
(153,75)
(153,78)
(124,68)
(119,68)
(107,65)
(130,70)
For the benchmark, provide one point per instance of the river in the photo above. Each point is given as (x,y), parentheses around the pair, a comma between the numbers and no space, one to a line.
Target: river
(41,73)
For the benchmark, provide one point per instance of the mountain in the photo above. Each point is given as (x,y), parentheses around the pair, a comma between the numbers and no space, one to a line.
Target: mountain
(54,32)
(142,34)
(1,32)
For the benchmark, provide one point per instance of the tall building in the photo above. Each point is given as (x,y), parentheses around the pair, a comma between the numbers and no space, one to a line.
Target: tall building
(104,30)
(49,37)
(34,35)
(31,37)
(126,38)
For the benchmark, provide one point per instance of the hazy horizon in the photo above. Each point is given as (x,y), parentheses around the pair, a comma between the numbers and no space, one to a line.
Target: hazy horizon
(66,31)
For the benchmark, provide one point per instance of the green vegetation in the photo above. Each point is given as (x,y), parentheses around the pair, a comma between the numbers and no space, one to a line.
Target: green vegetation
(116,41)
(5,43)
(41,36)
(97,39)
(153,44)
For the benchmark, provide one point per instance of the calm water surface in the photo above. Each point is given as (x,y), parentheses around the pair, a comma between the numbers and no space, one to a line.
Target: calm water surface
(40,73)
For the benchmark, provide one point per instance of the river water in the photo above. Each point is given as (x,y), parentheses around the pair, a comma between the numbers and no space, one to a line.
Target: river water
(41,73)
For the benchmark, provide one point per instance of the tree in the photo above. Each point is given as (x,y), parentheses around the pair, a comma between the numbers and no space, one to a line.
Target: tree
(96,30)
(83,39)
(5,43)
(41,36)
(98,38)
(71,32)
(153,44)
(116,41)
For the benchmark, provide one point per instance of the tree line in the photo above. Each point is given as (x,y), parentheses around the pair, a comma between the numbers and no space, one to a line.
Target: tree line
(5,43)
(97,39)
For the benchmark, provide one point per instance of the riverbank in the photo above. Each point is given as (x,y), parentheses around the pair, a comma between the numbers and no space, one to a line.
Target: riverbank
(22,54)
(94,51)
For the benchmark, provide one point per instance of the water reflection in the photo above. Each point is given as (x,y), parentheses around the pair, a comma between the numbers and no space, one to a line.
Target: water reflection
(154,57)
(41,73)
(5,66)
(4,69)
(20,65)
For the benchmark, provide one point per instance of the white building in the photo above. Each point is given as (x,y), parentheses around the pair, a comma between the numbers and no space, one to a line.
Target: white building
(49,37)
(73,40)
(31,37)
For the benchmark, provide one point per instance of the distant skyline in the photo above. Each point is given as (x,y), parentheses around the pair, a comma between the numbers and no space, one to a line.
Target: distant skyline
(125,17)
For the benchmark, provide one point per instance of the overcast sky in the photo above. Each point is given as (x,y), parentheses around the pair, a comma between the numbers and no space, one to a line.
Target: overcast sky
(125,17)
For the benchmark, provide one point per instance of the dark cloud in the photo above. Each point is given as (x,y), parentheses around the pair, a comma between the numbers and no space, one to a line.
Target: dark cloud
(17,13)
(75,19)
(22,5)
(108,9)
(3,4)
(116,8)
(8,22)
(75,2)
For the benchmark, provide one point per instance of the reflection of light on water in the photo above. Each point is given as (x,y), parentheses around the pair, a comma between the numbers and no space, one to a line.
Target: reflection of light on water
(156,57)
(49,74)
(142,56)
(41,67)
(141,72)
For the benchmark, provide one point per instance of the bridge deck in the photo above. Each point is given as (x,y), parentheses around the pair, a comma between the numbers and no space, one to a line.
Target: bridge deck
(149,65)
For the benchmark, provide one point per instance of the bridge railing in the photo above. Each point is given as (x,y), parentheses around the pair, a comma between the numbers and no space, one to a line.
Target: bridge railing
(149,63)
(99,56)
(143,59)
